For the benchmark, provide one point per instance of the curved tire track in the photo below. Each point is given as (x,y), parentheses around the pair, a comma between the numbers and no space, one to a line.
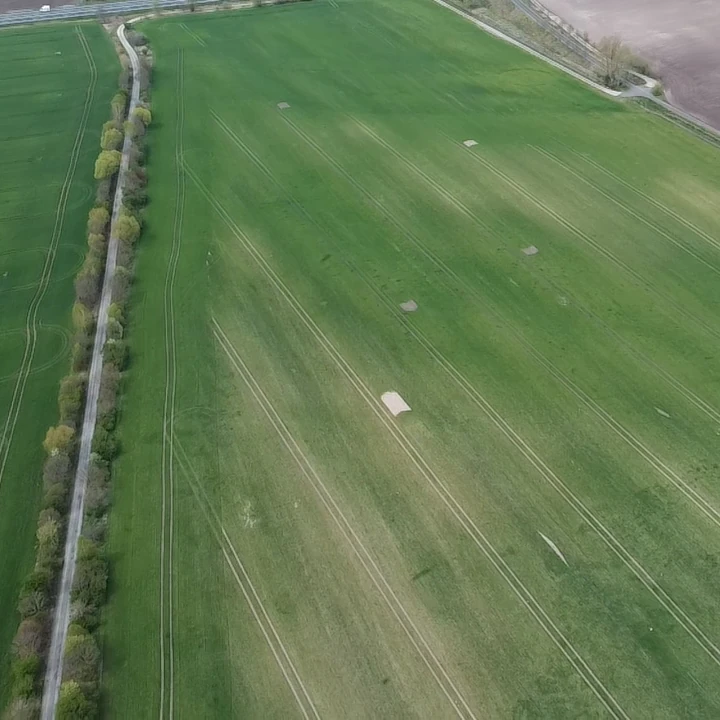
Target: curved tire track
(31,320)
(168,432)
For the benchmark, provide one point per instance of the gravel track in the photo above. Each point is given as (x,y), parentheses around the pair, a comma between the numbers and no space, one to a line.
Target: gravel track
(53,673)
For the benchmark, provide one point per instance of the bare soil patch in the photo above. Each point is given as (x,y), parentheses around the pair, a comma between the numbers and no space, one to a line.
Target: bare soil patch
(6,5)
(394,403)
(678,37)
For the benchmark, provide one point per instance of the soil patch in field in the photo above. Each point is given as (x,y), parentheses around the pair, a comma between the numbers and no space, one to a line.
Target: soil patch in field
(394,403)
(678,37)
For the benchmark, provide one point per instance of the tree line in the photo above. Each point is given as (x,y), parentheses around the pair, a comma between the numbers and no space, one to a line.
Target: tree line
(80,688)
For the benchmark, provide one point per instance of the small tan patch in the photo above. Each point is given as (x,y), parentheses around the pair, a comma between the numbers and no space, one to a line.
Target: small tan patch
(394,403)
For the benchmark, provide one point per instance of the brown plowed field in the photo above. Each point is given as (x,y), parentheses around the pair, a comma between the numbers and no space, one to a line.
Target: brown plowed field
(679,37)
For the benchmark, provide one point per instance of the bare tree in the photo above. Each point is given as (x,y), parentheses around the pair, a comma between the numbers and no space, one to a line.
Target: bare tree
(616,57)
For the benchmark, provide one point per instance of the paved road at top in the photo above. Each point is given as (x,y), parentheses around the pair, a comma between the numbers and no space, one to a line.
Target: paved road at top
(92,10)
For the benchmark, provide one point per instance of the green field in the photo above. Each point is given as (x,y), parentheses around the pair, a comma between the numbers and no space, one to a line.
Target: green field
(539,537)
(55,87)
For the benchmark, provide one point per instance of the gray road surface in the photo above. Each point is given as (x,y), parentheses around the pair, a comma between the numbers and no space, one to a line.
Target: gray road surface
(91,10)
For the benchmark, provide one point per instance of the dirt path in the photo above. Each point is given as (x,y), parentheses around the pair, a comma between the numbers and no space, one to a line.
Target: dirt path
(53,674)
(679,38)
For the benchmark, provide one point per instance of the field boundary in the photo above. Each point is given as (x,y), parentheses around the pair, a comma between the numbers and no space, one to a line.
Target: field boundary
(526,48)
(53,674)
(680,118)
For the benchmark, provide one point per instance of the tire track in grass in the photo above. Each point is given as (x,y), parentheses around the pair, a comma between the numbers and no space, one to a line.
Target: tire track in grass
(585,238)
(433,664)
(712,513)
(689,395)
(456,509)
(257,608)
(626,208)
(665,600)
(193,35)
(57,330)
(655,203)
(167,540)
(705,407)
(31,321)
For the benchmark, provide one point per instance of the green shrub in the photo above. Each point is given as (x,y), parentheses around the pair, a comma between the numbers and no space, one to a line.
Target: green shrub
(143,115)
(127,228)
(88,284)
(95,528)
(59,439)
(23,709)
(48,545)
(117,105)
(24,673)
(115,353)
(72,703)
(107,397)
(56,498)
(112,139)
(81,353)
(49,515)
(105,444)
(97,495)
(29,639)
(135,196)
(57,470)
(103,194)
(121,284)
(98,219)
(97,244)
(111,125)
(90,574)
(115,312)
(82,656)
(114,330)
(82,318)
(84,615)
(35,593)
(107,164)
(71,399)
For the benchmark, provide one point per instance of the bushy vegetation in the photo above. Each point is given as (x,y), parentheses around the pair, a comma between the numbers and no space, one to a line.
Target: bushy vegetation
(79,692)
(80,689)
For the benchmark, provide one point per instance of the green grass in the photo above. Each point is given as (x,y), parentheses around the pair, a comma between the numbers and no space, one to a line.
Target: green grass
(572,394)
(54,95)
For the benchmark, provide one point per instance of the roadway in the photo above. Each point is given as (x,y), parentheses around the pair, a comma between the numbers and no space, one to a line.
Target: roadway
(91,10)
